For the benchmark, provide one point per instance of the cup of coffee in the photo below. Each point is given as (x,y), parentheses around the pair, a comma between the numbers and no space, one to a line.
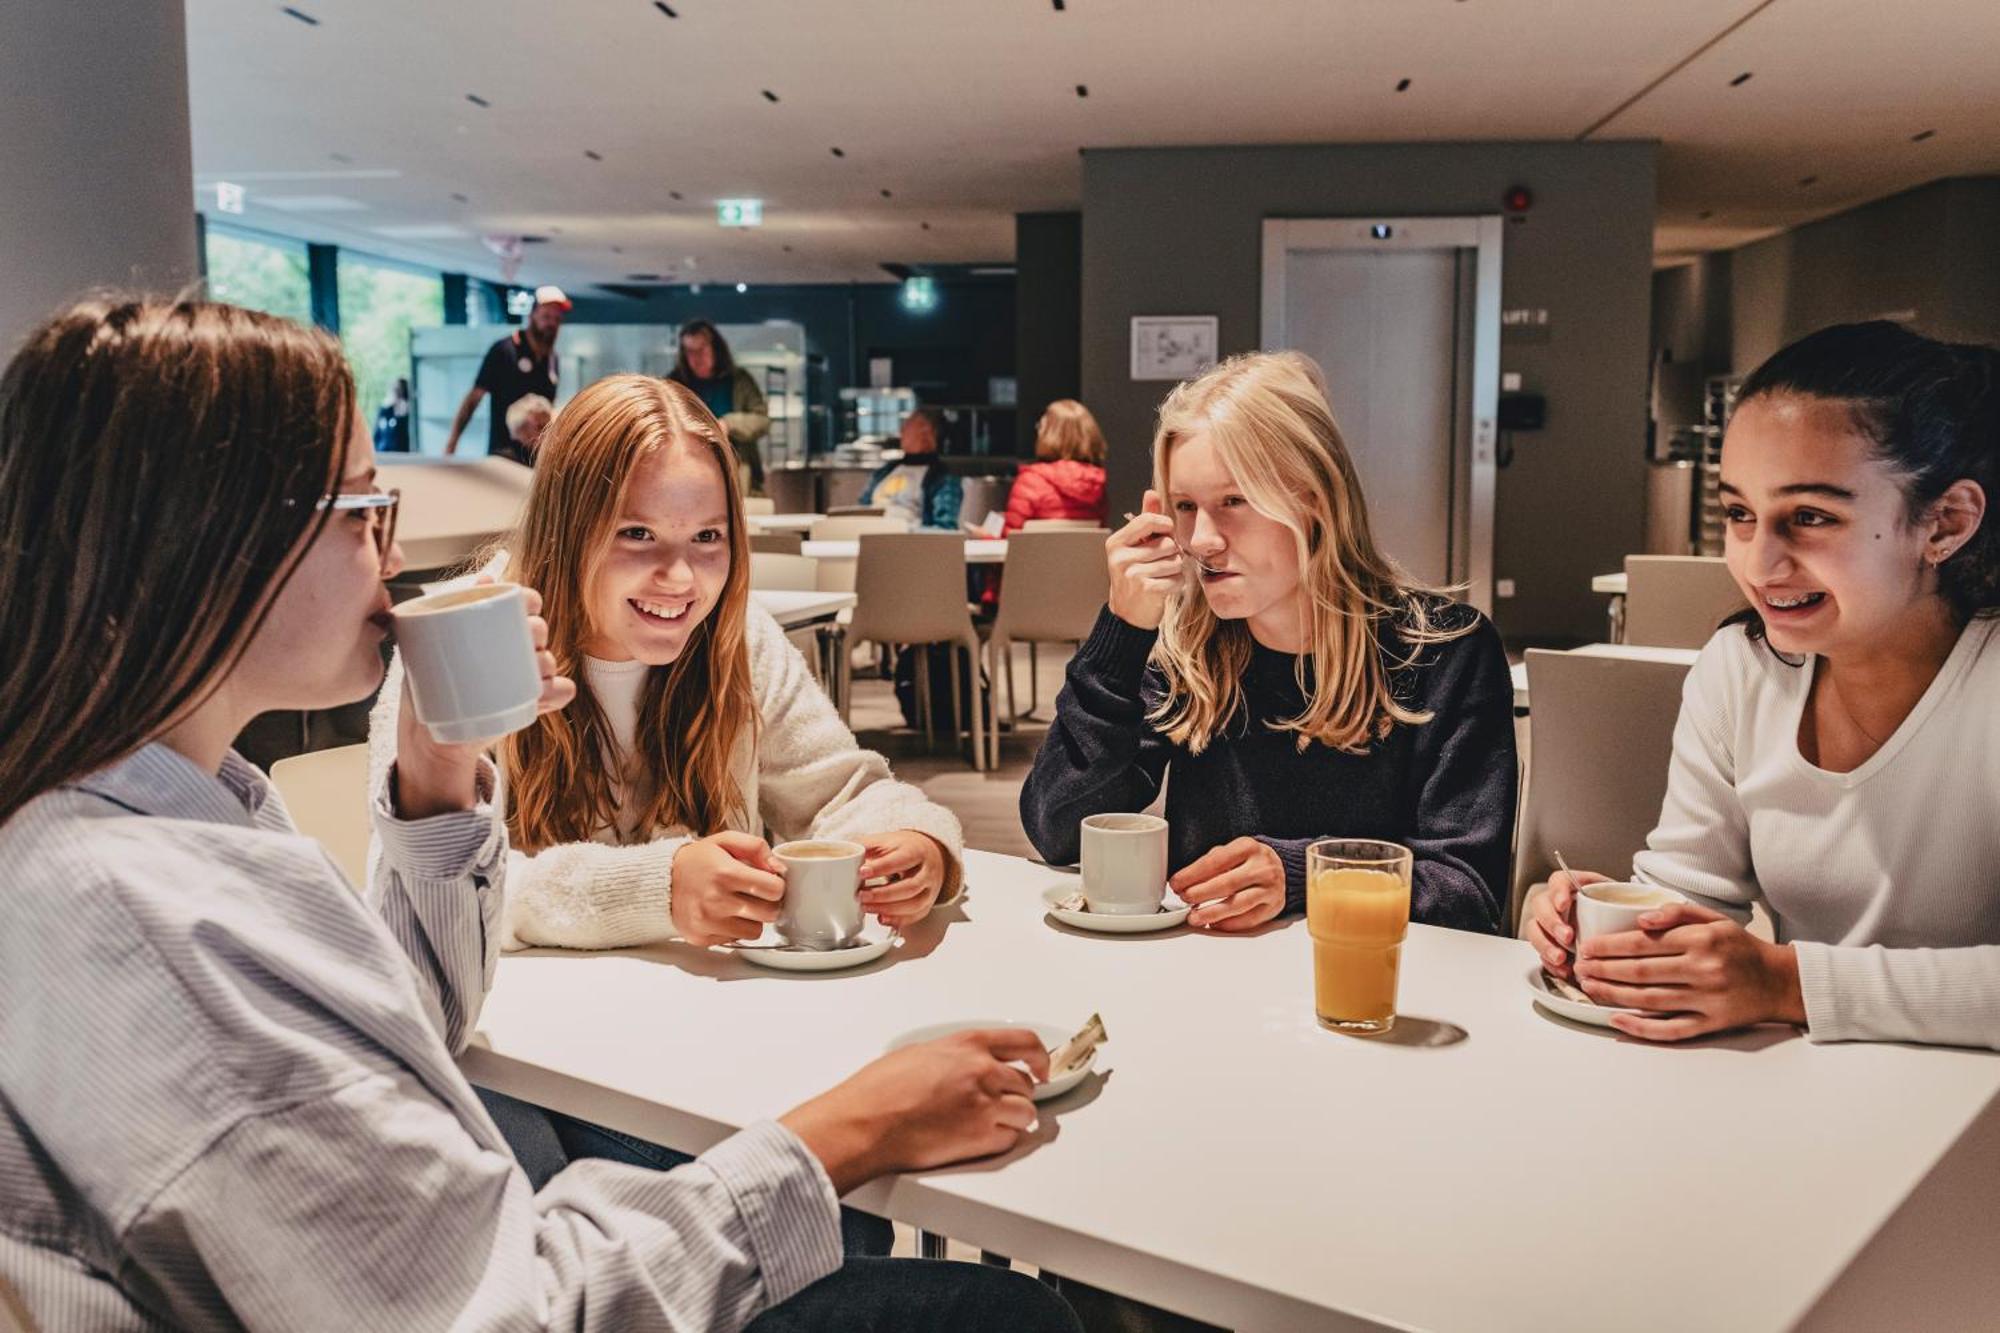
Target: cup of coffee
(822,906)
(1610,908)
(1124,864)
(471,661)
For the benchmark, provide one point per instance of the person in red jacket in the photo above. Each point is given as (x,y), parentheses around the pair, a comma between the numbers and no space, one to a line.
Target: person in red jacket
(1067,478)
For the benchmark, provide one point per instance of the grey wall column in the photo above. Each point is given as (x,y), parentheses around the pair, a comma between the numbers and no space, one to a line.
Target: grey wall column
(96,156)
(1048,315)
(455,290)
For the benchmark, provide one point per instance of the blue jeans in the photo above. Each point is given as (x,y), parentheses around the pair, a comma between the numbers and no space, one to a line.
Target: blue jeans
(544,1142)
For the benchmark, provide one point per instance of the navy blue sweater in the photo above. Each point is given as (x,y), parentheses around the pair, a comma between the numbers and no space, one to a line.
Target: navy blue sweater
(1443,788)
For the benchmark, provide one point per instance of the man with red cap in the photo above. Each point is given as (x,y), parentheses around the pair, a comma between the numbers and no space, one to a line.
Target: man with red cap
(521,363)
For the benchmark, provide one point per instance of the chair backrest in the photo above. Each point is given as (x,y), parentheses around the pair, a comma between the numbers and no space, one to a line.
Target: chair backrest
(450,509)
(774,570)
(910,588)
(1065,525)
(777,543)
(759,504)
(855,511)
(1676,601)
(1601,735)
(327,793)
(846,527)
(1054,586)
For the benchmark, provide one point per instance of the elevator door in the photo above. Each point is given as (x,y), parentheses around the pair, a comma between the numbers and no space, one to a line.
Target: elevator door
(1383,325)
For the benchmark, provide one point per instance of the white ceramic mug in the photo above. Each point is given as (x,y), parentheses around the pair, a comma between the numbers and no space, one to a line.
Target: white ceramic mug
(471,661)
(1124,864)
(822,906)
(1613,907)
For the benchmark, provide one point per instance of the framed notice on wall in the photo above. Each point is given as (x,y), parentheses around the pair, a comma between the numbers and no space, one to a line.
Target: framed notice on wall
(1172,347)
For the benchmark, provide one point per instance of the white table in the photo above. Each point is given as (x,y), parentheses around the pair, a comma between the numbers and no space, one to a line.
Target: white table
(781,522)
(797,610)
(1231,1160)
(978,550)
(1633,652)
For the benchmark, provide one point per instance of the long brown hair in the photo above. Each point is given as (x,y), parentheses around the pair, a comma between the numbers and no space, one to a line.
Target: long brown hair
(694,713)
(160,463)
(1268,416)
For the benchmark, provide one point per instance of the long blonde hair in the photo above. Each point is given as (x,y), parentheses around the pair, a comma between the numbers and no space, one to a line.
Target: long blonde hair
(1067,430)
(693,713)
(1268,417)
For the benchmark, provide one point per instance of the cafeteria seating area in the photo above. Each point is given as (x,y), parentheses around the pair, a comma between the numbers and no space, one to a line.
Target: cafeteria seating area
(1103,666)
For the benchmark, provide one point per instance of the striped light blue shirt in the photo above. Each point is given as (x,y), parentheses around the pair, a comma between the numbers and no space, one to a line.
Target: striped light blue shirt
(228,1099)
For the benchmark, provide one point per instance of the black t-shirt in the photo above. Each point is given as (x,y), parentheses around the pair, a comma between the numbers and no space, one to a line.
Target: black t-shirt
(510,372)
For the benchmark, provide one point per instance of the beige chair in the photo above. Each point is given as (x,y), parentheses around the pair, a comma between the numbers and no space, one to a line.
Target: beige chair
(1601,732)
(911,590)
(843,526)
(776,543)
(1066,525)
(855,511)
(779,572)
(1677,601)
(759,504)
(1055,583)
(327,793)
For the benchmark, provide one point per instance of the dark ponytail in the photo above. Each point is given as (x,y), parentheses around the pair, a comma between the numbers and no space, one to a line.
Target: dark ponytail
(1932,411)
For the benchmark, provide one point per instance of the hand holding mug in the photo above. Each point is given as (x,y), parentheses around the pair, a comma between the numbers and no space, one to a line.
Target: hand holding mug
(1696,969)
(1551,924)
(1145,566)
(726,887)
(434,777)
(914,865)
(1237,886)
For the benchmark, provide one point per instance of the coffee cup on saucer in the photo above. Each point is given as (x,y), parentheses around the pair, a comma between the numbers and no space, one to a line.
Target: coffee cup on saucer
(822,905)
(1124,864)
(1613,907)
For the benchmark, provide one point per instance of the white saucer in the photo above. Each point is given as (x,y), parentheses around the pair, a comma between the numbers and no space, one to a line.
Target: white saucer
(1597,1015)
(1051,1035)
(1172,913)
(767,952)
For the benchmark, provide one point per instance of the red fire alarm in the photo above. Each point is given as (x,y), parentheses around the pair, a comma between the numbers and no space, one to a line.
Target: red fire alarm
(1519,200)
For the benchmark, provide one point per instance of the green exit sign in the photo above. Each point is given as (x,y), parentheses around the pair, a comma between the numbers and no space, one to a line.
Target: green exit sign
(740,212)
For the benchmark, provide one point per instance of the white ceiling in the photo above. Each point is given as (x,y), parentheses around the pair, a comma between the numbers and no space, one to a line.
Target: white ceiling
(358,130)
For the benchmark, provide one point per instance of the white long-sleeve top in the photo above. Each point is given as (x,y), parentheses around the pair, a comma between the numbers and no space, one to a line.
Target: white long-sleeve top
(803,776)
(1886,880)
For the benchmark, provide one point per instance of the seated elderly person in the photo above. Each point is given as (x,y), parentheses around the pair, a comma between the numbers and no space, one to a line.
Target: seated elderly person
(527,418)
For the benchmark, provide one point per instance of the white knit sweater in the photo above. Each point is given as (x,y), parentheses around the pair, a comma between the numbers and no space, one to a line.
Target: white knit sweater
(1887,879)
(804,776)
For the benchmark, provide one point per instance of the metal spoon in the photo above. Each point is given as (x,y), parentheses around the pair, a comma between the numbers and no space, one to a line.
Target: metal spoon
(1199,563)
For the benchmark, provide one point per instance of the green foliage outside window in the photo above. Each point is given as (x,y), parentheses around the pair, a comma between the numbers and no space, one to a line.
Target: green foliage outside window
(259,275)
(378,308)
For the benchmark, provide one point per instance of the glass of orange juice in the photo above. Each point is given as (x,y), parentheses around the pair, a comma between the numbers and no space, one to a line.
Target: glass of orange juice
(1357,911)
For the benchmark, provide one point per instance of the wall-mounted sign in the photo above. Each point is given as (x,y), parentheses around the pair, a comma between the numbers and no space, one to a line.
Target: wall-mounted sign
(1172,347)
(1525,324)
(739,212)
(228,197)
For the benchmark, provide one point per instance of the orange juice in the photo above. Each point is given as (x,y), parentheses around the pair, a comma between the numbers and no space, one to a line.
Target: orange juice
(1357,919)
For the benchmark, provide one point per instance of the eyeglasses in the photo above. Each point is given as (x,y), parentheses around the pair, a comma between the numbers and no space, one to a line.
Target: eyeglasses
(380,508)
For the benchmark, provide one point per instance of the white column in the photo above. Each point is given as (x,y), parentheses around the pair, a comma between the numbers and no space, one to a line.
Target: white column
(96,163)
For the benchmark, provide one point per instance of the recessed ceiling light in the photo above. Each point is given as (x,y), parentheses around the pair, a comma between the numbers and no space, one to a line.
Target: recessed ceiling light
(302,17)
(887,195)
(477,100)
(593,154)
(1058,5)
(1921,136)
(340,157)
(1402,85)
(1082,90)
(1740,79)
(839,153)
(665,8)
(770,96)
(461,198)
